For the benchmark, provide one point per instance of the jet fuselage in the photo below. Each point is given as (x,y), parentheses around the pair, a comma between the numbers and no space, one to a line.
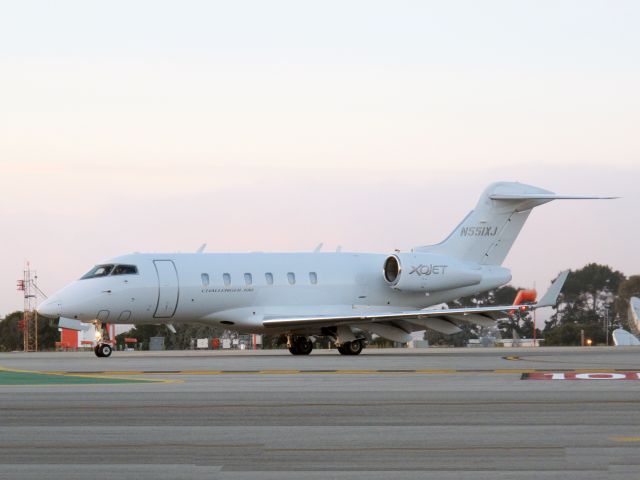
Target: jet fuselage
(240,290)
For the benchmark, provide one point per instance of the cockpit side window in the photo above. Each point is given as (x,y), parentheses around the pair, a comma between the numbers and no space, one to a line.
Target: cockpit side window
(98,271)
(125,270)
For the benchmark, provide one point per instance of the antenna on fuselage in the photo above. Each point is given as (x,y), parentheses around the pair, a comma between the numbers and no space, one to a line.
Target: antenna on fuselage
(202,247)
(318,248)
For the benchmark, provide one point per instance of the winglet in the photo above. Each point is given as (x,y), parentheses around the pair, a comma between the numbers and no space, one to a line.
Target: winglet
(550,298)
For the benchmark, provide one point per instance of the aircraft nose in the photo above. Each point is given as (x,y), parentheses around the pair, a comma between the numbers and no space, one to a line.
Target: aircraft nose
(51,308)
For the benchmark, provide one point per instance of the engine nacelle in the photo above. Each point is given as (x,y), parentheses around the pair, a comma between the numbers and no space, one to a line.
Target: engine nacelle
(428,272)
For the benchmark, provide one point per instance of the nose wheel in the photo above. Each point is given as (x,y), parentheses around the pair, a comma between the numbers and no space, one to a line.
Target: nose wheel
(103,350)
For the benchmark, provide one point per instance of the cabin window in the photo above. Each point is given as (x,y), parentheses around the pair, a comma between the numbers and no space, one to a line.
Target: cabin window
(269,278)
(313,278)
(205,279)
(291,277)
(227,279)
(248,279)
(98,271)
(125,270)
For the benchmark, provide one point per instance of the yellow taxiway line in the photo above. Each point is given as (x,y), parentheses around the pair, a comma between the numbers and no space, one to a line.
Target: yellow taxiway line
(624,439)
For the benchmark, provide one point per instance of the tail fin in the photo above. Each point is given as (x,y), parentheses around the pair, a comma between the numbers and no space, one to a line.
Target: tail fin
(487,233)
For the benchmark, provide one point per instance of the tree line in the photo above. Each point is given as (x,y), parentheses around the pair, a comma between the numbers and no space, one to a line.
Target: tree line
(11,338)
(594,301)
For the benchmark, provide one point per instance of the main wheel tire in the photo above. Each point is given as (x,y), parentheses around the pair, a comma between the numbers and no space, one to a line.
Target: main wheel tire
(96,350)
(351,348)
(293,349)
(304,346)
(105,350)
(355,347)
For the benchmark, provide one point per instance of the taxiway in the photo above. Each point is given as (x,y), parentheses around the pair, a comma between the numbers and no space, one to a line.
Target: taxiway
(406,414)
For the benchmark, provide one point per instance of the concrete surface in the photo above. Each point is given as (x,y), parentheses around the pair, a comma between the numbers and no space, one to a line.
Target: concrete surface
(406,414)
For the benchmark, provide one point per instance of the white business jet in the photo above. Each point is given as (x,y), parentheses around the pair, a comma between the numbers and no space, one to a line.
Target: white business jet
(308,295)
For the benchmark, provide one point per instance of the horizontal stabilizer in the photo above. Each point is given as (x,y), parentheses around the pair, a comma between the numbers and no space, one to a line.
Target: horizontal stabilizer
(545,196)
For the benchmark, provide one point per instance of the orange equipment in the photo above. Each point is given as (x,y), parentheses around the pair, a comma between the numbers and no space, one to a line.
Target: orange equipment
(528,296)
(68,339)
(525,296)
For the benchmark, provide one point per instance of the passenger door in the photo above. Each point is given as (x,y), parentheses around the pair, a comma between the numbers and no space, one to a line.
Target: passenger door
(168,289)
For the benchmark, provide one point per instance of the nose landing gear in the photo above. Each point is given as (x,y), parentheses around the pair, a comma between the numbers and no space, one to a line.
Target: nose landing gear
(103,347)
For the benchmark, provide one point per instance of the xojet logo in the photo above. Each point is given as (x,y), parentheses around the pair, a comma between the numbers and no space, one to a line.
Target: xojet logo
(431,269)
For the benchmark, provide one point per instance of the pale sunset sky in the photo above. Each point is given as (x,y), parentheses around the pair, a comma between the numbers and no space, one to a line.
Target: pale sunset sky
(275,125)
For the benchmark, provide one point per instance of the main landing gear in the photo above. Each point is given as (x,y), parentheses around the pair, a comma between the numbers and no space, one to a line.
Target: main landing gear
(351,348)
(299,345)
(102,348)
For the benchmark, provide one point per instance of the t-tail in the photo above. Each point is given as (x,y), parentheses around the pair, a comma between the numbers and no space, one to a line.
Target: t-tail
(487,233)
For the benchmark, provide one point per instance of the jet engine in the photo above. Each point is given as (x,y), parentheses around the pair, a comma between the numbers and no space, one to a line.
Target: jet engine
(428,272)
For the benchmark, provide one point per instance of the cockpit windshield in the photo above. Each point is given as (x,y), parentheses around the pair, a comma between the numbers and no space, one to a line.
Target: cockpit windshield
(104,270)
(98,271)
(125,270)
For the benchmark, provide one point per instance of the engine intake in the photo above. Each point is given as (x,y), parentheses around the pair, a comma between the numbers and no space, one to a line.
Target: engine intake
(392,269)
(426,272)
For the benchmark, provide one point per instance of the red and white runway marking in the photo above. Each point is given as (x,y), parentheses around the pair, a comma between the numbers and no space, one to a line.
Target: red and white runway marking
(581,376)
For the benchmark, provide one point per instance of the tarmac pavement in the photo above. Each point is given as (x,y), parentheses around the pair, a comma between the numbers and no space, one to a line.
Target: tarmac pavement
(406,414)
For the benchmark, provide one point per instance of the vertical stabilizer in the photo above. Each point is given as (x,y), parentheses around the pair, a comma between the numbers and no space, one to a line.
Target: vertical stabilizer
(486,235)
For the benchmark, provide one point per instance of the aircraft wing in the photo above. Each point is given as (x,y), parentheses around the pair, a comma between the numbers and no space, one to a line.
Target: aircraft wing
(485,316)
(478,315)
